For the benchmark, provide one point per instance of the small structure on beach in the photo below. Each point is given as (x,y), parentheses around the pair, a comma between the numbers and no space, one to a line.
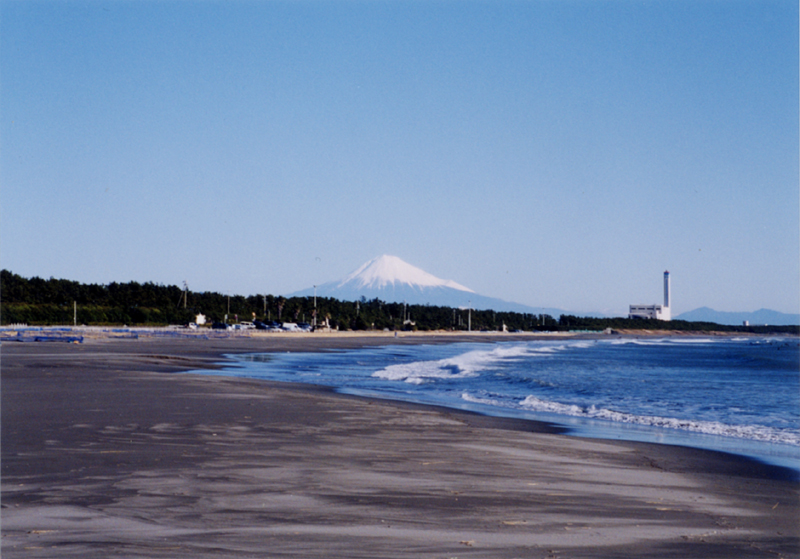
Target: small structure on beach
(658,312)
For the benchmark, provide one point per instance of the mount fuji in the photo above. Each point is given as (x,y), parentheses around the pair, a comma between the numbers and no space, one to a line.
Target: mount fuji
(390,279)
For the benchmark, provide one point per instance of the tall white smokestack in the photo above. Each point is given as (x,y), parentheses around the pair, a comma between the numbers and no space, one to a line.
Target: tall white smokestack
(666,289)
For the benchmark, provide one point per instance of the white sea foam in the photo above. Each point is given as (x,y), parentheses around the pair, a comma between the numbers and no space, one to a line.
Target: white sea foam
(467,364)
(471,363)
(691,340)
(752,432)
(467,397)
(660,341)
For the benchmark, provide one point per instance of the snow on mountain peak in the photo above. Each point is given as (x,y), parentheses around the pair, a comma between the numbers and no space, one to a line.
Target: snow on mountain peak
(390,270)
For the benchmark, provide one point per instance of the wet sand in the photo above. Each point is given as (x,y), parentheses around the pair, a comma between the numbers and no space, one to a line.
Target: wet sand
(107,453)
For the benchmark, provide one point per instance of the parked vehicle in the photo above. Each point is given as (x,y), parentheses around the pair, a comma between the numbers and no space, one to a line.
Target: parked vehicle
(220,326)
(268,325)
(296,327)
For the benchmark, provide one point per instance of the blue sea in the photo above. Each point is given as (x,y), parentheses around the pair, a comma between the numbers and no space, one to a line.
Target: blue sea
(739,395)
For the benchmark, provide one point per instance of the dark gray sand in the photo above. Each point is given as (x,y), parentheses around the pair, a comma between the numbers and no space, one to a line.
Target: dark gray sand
(105,453)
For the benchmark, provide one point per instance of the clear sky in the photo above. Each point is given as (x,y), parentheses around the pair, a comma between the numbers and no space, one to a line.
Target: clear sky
(559,154)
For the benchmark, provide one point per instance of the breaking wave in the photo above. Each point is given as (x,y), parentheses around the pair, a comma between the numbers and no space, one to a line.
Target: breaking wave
(466,365)
(752,432)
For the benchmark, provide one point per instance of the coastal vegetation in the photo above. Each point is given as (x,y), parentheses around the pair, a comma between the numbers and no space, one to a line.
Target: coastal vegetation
(37,301)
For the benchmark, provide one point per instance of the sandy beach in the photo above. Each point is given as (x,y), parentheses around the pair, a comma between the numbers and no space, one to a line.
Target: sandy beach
(106,452)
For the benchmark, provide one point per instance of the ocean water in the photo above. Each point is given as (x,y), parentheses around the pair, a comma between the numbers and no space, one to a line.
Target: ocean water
(736,395)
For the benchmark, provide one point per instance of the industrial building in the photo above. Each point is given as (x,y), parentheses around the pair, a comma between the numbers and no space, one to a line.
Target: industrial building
(659,312)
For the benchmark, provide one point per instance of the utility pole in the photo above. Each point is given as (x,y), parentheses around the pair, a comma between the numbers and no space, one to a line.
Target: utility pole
(315,307)
(469,317)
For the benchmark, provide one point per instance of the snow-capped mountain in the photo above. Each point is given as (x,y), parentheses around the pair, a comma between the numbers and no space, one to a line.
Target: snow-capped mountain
(393,280)
(386,270)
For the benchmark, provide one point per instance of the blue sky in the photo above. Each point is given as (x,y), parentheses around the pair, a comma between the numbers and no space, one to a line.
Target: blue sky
(559,154)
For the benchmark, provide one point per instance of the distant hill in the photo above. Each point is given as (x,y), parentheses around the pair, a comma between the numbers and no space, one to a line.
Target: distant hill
(390,279)
(755,318)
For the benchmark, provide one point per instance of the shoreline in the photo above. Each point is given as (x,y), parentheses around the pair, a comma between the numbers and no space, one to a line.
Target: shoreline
(8,333)
(96,434)
(782,463)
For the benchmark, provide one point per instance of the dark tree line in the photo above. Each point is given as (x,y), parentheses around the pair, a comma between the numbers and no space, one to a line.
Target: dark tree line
(568,322)
(38,301)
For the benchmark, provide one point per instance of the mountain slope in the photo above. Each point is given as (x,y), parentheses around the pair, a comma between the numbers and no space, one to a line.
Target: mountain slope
(390,279)
(387,270)
(759,317)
